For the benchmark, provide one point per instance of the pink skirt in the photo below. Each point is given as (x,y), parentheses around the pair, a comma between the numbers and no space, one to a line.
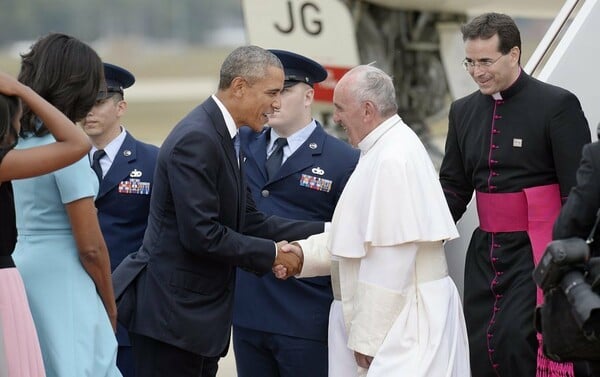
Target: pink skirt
(20,354)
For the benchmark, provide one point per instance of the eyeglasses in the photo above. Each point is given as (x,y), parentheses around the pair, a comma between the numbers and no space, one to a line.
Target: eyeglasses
(469,64)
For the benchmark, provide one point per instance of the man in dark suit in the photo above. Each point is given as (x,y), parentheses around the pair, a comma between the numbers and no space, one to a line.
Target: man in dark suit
(202,225)
(125,167)
(578,217)
(578,214)
(280,327)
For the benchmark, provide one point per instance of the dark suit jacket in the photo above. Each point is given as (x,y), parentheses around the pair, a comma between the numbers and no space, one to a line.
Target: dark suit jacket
(123,203)
(202,225)
(578,214)
(302,308)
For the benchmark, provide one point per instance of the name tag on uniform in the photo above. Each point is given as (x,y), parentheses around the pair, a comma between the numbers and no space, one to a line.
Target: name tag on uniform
(134,186)
(315,183)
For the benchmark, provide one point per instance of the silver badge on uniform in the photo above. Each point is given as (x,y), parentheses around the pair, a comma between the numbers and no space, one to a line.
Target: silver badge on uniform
(517,143)
(318,171)
(135,173)
(312,145)
(126,153)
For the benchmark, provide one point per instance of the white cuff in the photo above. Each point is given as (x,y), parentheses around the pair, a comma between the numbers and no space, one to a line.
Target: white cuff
(317,260)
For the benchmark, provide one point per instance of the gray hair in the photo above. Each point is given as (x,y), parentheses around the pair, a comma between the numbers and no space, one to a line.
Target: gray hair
(374,85)
(248,62)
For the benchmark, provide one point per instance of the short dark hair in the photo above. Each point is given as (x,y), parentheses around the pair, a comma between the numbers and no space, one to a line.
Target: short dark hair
(118,96)
(66,72)
(487,25)
(115,96)
(9,106)
(249,62)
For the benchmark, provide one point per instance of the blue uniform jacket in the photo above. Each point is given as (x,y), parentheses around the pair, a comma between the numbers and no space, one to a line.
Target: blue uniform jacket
(123,202)
(307,187)
(123,199)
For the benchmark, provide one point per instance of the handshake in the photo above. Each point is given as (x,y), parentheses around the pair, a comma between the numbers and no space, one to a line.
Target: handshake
(289,260)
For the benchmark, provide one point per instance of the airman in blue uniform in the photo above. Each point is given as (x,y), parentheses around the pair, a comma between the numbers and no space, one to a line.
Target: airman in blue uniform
(125,167)
(295,170)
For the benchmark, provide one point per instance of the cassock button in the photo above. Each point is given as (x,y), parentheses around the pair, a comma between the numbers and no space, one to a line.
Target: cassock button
(265,193)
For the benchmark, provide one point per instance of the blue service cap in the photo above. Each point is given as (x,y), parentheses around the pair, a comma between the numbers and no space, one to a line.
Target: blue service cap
(117,79)
(298,68)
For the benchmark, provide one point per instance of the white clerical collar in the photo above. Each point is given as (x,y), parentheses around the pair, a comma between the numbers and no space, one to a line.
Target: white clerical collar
(498,95)
(231,127)
(367,143)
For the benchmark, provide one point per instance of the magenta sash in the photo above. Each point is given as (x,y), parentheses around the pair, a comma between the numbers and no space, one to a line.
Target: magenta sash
(532,210)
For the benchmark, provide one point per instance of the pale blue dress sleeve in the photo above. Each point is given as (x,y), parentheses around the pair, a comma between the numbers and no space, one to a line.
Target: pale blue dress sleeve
(76,181)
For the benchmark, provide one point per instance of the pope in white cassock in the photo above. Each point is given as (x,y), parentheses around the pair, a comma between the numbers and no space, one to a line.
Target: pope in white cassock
(396,311)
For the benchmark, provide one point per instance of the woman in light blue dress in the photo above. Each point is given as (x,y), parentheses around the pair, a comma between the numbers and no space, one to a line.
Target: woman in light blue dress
(20,353)
(60,251)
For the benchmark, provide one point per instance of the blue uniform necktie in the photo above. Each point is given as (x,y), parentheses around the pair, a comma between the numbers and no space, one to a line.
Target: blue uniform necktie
(96,163)
(274,161)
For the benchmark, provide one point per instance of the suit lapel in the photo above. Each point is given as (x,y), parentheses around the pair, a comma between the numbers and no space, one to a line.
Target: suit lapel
(120,170)
(220,127)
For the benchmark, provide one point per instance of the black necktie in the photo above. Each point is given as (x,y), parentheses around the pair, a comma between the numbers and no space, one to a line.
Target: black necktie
(274,161)
(96,163)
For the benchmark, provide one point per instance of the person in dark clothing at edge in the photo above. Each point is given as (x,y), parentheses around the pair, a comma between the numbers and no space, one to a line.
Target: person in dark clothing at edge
(577,218)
